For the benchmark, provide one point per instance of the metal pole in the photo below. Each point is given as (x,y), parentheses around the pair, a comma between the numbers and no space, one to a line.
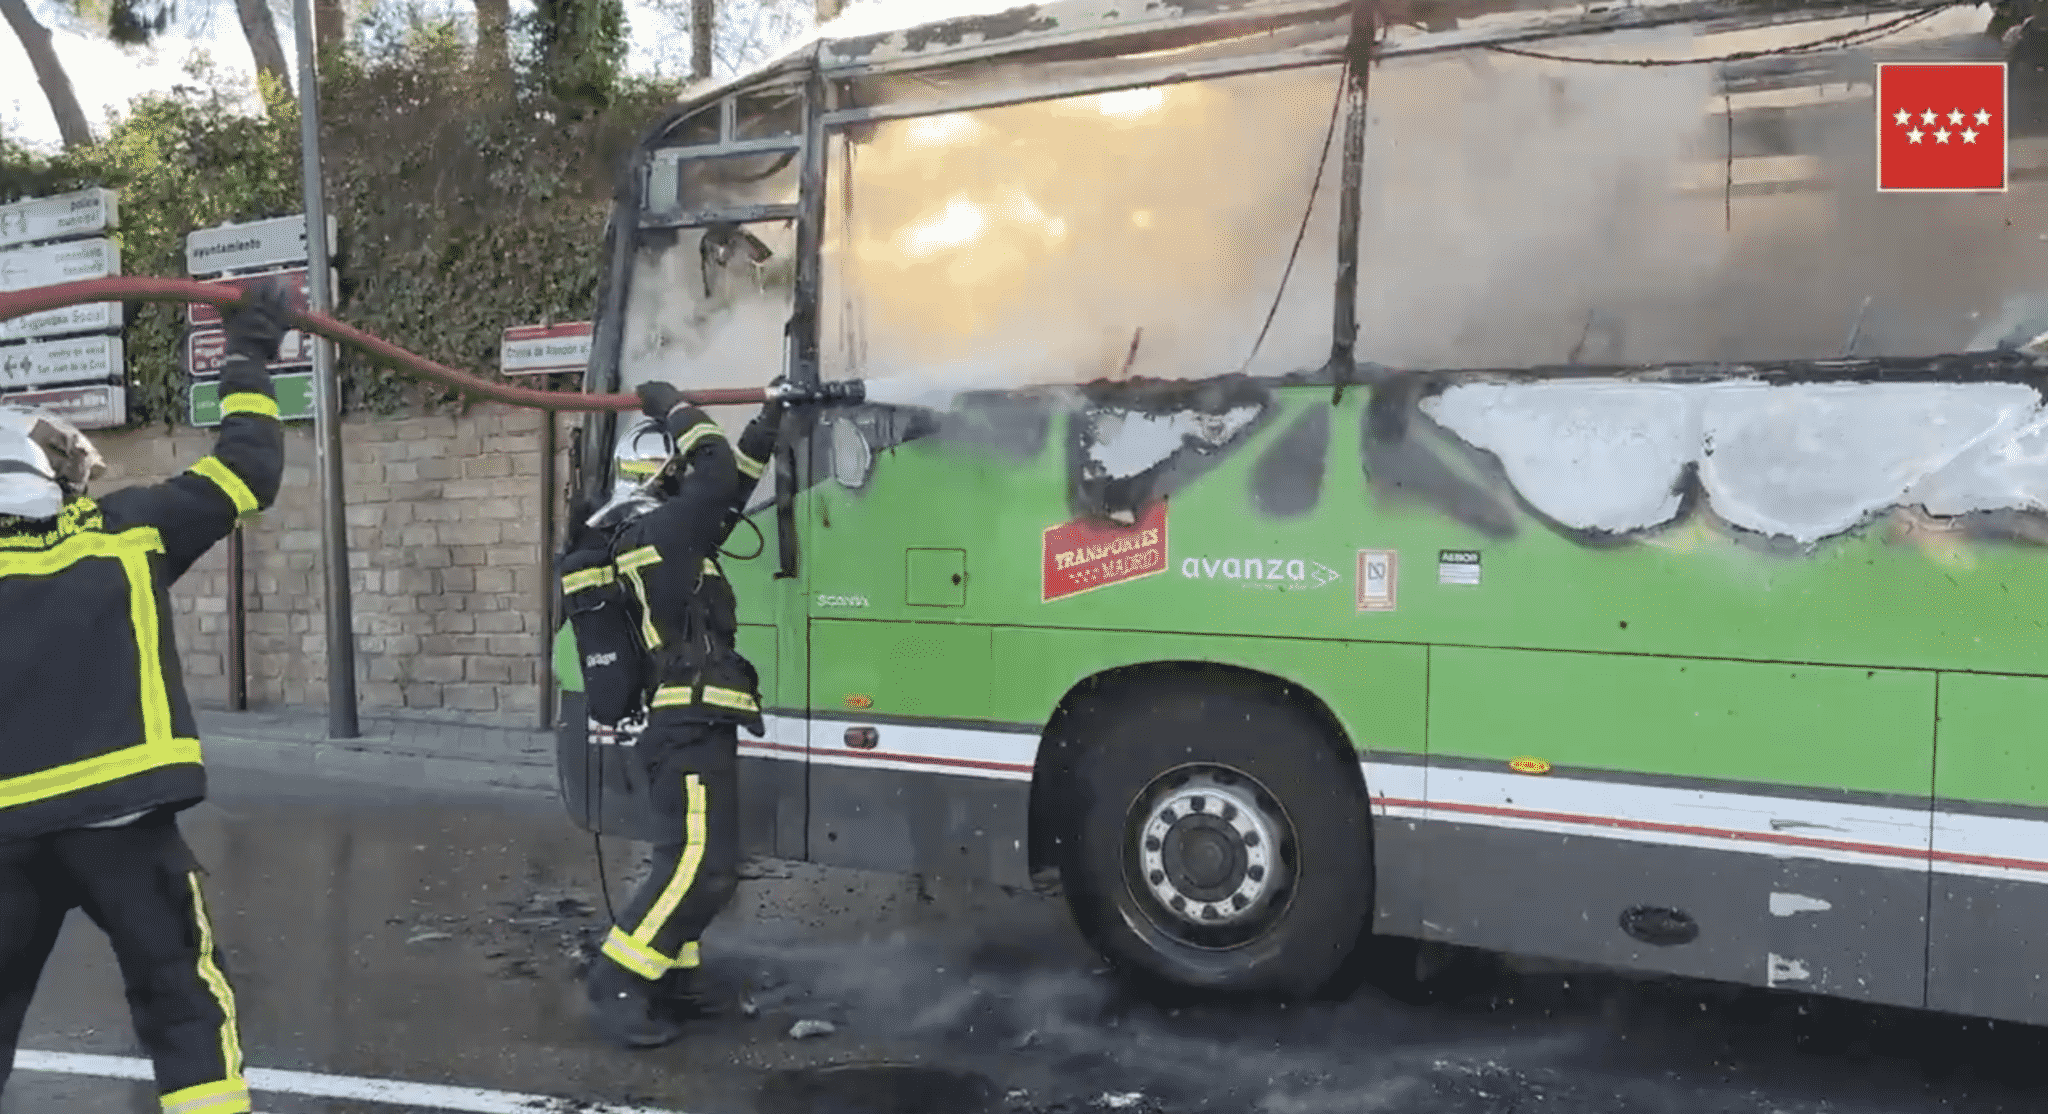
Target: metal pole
(547,570)
(238,625)
(341,646)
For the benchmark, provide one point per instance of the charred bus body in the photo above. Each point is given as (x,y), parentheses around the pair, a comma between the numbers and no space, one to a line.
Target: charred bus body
(1475,498)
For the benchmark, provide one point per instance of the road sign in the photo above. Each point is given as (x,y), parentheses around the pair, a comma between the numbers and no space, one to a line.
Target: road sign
(294,399)
(93,317)
(44,363)
(50,264)
(202,315)
(206,352)
(247,247)
(538,349)
(101,406)
(63,217)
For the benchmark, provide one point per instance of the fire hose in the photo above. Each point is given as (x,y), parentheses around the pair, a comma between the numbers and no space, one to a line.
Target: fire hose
(42,299)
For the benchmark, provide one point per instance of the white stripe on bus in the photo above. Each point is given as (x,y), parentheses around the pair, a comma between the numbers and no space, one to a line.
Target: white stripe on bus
(1892,837)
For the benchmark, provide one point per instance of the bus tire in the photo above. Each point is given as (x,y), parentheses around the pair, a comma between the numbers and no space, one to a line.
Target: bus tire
(1217,841)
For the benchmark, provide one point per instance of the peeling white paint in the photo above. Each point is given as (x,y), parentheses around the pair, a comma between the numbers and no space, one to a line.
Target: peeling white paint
(1785,905)
(1127,443)
(1778,969)
(1805,461)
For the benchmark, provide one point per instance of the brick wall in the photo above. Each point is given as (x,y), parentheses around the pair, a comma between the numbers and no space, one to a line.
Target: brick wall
(444,556)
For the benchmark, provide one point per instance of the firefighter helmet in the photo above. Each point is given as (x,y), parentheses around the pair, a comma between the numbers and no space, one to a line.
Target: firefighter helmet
(44,462)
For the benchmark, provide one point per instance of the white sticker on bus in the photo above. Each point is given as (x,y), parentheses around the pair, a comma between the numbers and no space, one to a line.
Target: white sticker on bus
(1296,574)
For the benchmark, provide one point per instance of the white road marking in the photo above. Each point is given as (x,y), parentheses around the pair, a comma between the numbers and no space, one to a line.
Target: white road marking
(433,1096)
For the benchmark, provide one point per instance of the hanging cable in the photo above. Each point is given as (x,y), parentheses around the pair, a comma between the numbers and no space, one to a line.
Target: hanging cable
(1322,164)
(1857,37)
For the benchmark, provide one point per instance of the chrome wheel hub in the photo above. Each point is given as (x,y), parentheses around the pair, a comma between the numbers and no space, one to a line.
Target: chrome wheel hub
(1209,849)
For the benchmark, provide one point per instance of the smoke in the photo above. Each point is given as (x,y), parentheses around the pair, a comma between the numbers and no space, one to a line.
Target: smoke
(1509,205)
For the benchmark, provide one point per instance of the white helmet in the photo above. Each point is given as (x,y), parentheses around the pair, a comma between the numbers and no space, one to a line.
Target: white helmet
(643,458)
(44,461)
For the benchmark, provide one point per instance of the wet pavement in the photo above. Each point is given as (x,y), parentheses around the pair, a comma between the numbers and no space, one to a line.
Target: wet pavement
(433,937)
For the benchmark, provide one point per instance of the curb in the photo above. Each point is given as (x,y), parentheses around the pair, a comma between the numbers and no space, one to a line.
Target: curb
(341,759)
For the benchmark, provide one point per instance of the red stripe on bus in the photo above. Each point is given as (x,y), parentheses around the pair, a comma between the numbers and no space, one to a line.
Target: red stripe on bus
(1719,833)
(890,756)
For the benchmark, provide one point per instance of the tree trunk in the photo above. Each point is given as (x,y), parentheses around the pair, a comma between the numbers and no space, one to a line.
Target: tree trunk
(703,22)
(264,46)
(330,24)
(493,45)
(42,57)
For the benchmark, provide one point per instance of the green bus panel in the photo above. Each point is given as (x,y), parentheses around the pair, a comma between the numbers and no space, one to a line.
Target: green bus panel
(1990,745)
(756,643)
(911,670)
(1376,692)
(1794,725)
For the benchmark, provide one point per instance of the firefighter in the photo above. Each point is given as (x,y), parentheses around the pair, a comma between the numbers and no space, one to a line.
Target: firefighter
(98,749)
(657,544)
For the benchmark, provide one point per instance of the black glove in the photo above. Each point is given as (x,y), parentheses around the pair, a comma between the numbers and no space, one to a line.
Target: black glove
(257,327)
(658,398)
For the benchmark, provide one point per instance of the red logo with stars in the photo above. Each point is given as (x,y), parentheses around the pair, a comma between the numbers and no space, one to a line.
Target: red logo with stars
(1941,127)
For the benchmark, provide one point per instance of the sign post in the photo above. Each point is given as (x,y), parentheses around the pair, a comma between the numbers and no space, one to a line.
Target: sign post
(545,350)
(341,650)
(239,256)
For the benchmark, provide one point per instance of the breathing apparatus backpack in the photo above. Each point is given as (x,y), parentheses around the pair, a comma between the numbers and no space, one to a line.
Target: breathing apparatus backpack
(618,671)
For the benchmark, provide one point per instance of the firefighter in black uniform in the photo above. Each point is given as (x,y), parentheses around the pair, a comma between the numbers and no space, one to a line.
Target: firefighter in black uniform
(98,749)
(665,561)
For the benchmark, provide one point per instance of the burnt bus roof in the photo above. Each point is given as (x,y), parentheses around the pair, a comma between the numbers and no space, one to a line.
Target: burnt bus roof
(1162,41)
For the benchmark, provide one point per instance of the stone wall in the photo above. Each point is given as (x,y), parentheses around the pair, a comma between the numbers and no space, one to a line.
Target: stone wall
(444,555)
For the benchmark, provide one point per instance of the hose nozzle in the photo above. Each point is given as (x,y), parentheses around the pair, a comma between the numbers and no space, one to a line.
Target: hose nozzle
(842,392)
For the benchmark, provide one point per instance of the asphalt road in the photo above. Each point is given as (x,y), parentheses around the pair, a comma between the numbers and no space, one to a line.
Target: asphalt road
(380,934)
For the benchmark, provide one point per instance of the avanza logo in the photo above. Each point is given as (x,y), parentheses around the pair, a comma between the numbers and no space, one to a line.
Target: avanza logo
(1274,573)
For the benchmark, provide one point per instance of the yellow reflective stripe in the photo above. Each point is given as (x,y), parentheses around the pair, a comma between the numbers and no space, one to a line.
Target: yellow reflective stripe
(687,958)
(679,696)
(648,634)
(687,866)
(230,484)
(749,467)
(158,747)
(638,558)
(97,770)
(229,1096)
(695,434)
(711,568)
(634,956)
(217,981)
(639,468)
(730,698)
(587,578)
(248,402)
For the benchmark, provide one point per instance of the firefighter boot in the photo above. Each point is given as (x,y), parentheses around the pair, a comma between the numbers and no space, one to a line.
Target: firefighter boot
(685,995)
(624,1008)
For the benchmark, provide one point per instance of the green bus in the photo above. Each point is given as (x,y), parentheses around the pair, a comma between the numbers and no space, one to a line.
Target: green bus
(1297,504)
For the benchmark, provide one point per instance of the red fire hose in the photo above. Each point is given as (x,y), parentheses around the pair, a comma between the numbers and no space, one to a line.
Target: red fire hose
(42,299)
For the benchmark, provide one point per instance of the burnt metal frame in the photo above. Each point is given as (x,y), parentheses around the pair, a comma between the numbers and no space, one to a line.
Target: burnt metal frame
(825,69)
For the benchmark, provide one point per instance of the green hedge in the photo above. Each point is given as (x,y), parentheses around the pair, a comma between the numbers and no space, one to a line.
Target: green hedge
(465,203)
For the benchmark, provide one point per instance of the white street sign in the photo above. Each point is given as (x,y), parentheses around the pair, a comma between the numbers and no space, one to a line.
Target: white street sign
(43,363)
(93,317)
(63,217)
(536,349)
(242,247)
(100,407)
(50,264)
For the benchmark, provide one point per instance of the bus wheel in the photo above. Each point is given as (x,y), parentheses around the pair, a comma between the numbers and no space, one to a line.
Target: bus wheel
(1218,842)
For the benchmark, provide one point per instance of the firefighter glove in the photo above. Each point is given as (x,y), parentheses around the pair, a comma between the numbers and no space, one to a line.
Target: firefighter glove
(658,398)
(257,327)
